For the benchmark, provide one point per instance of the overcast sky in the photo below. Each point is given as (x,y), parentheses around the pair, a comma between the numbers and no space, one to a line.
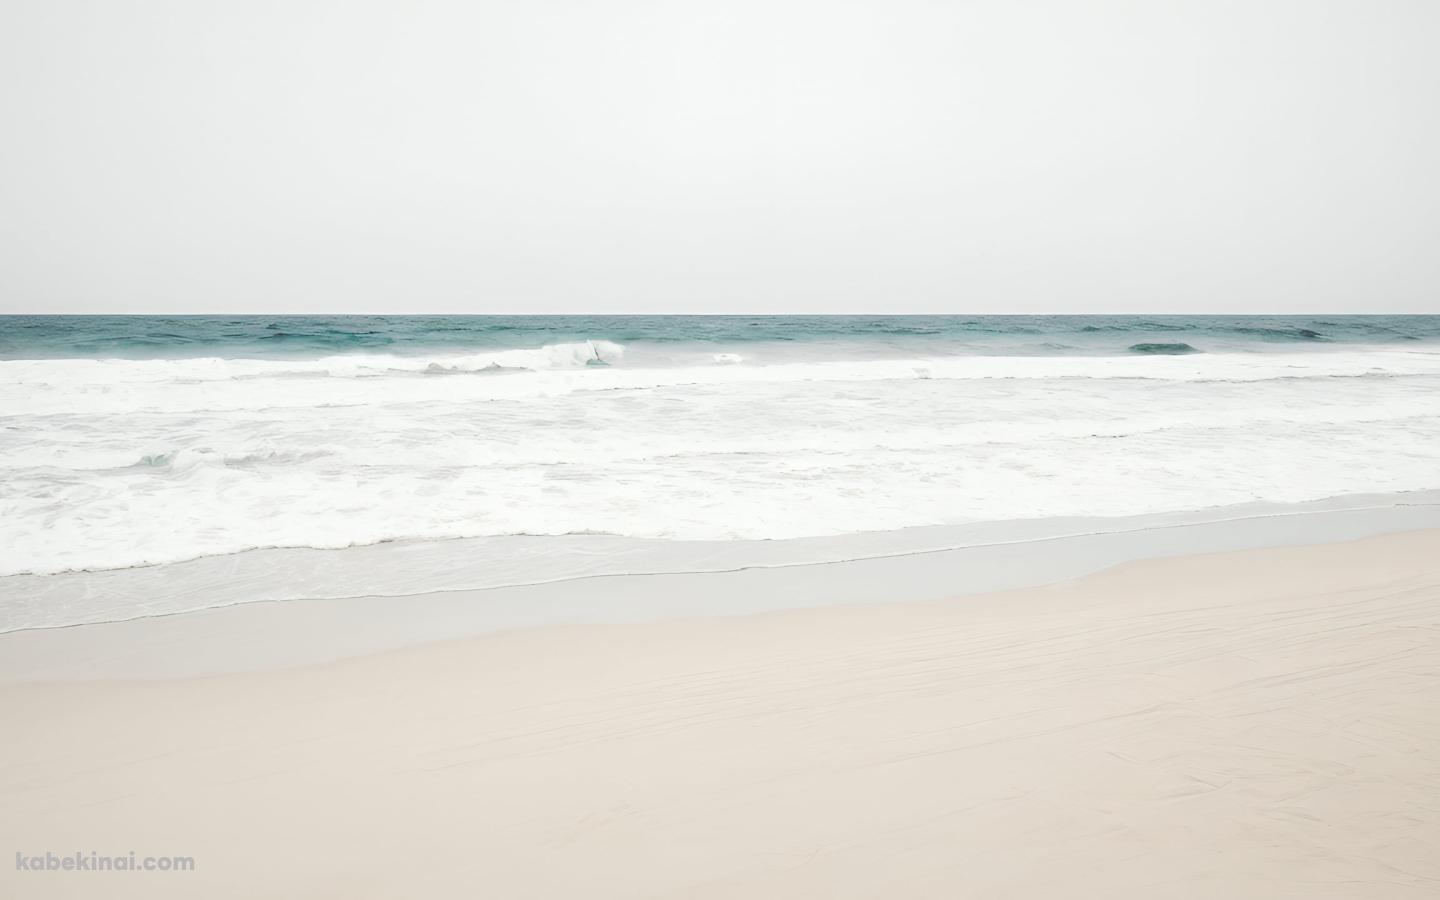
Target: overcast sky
(766,156)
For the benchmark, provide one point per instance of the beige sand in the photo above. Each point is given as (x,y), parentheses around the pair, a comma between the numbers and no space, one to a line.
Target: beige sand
(1262,724)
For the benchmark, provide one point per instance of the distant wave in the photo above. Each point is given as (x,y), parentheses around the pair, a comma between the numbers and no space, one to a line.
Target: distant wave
(1283,334)
(1137,325)
(1164,349)
(569,355)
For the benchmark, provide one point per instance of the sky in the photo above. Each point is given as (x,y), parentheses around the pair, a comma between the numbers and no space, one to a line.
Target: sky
(784,156)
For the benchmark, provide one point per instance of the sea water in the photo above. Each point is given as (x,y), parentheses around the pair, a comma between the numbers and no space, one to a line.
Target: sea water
(130,441)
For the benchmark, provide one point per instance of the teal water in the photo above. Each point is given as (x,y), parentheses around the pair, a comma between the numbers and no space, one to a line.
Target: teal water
(272,337)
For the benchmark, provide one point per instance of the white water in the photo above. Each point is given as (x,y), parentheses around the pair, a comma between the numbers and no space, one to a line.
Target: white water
(115,463)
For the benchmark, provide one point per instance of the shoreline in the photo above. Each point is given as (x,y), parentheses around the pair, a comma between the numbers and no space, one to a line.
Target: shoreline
(267,634)
(410,568)
(1248,723)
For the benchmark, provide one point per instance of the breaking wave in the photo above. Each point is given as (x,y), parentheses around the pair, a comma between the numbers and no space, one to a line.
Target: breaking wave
(114,462)
(1163,349)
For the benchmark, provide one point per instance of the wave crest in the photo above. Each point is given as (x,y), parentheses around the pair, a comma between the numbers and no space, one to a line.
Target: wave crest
(1163,349)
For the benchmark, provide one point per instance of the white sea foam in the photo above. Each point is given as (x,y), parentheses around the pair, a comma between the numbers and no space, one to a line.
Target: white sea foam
(113,463)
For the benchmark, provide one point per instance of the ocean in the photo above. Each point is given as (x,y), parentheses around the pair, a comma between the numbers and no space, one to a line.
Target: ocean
(131,441)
